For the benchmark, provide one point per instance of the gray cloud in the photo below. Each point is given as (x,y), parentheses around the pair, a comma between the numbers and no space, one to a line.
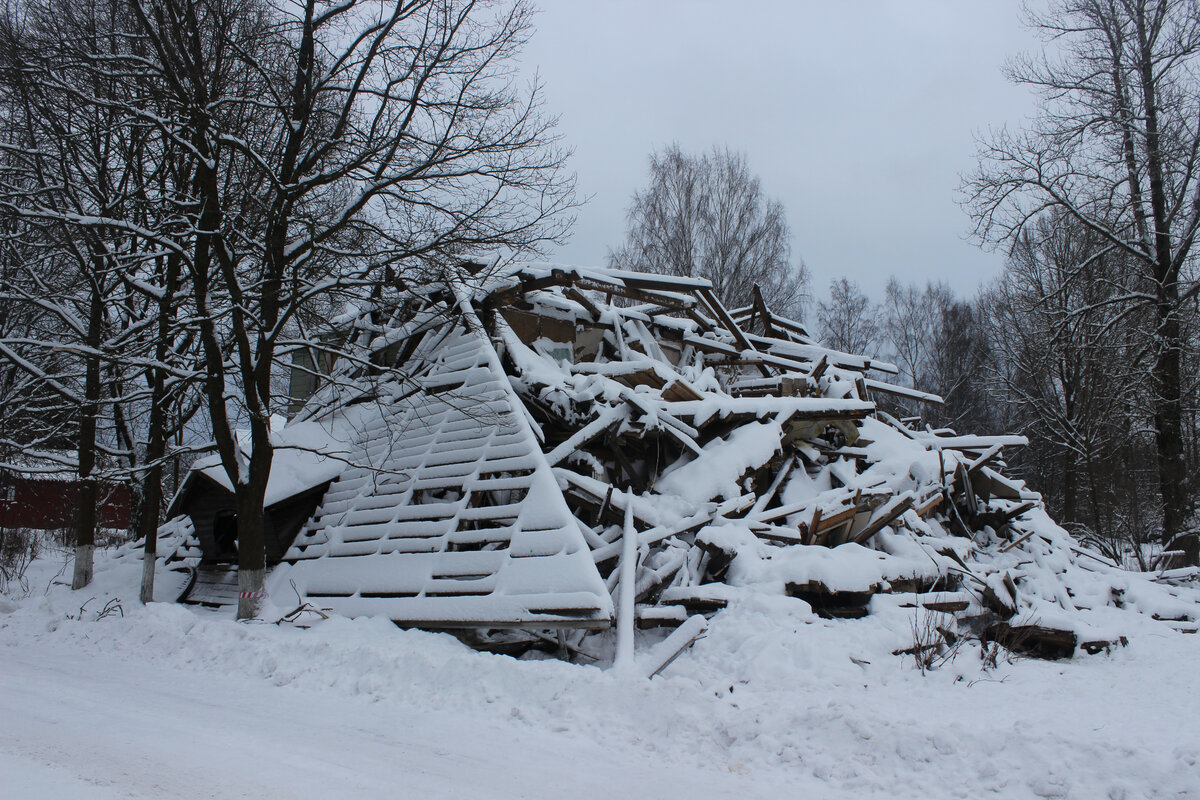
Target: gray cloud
(859,116)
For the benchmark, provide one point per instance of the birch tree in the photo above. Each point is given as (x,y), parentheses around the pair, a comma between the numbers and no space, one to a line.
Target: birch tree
(848,320)
(706,216)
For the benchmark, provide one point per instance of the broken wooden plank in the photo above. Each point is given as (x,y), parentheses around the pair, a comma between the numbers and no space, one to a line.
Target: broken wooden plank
(926,508)
(766,497)
(828,498)
(999,593)
(607,419)
(697,599)
(1180,573)
(941,602)
(883,516)
(1106,645)
(1033,640)
(583,300)
(779,534)
(678,391)
(903,391)
(822,530)
(651,582)
(984,457)
(685,525)
(719,557)
(998,520)
(727,321)
(629,558)
(756,357)
(832,603)
(1015,542)
(923,584)
(669,649)
(661,616)
(761,310)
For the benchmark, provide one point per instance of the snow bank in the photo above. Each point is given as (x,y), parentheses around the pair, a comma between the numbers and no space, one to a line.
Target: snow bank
(772,701)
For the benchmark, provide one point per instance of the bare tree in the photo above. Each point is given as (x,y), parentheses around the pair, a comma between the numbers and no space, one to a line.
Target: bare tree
(909,322)
(278,161)
(68,174)
(940,346)
(956,367)
(336,144)
(1116,149)
(706,216)
(848,320)
(1067,371)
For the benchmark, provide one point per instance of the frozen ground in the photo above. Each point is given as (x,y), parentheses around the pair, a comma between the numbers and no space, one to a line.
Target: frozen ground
(171,702)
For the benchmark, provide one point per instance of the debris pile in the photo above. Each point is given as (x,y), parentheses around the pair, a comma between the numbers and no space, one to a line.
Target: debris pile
(561,450)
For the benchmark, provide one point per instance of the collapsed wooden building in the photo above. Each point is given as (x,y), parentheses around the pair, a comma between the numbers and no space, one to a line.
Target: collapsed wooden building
(509,453)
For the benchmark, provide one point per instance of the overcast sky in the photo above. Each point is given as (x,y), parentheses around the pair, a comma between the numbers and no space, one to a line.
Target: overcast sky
(859,116)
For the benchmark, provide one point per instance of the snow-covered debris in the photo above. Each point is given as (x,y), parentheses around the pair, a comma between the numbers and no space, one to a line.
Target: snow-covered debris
(515,435)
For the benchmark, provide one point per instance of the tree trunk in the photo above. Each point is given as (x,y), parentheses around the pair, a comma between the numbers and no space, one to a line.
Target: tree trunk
(148,521)
(251,553)
(1069,485)
(1168,433)
(156,445)
(1168,406)
(85,520)
(252,519)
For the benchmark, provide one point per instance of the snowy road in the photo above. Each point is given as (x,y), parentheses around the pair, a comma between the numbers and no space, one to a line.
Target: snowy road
(169,702)
(100,728)
(96,727)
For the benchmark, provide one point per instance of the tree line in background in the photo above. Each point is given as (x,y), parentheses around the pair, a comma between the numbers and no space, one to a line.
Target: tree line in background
(1020,356)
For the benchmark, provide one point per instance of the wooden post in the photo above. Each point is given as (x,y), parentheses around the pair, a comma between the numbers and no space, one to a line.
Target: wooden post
(624,660)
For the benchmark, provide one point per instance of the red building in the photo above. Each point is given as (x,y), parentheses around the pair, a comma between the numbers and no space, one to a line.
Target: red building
(44,500)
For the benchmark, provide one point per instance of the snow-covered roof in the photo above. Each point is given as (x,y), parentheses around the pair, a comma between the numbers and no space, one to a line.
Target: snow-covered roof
(411,531)
(307,455)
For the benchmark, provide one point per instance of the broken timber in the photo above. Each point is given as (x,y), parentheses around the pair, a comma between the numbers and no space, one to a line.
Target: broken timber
(523,452)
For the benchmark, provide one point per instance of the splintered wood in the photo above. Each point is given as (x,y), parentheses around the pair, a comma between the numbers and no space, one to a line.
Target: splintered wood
(566,448)
(685,419)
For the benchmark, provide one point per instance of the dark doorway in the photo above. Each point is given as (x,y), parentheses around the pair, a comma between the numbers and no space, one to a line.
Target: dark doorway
(225,534)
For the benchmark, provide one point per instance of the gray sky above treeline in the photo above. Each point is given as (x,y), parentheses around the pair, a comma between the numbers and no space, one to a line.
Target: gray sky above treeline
(860,116)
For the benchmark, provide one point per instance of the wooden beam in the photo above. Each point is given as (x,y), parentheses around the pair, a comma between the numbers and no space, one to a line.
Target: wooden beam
(727,322)
(986,456)
(669,649)
(600,425)
(581,298)
(760,307)
(883,516)
(765,498)
(625,605)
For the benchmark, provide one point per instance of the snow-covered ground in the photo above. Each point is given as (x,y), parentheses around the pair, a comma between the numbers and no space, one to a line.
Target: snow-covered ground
(168,702)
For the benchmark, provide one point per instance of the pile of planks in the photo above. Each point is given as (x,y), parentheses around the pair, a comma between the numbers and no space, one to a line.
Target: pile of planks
(691,454)
(670,421)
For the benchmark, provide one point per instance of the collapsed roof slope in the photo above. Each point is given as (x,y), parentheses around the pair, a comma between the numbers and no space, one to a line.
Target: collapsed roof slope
(451,516)
(515,431)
